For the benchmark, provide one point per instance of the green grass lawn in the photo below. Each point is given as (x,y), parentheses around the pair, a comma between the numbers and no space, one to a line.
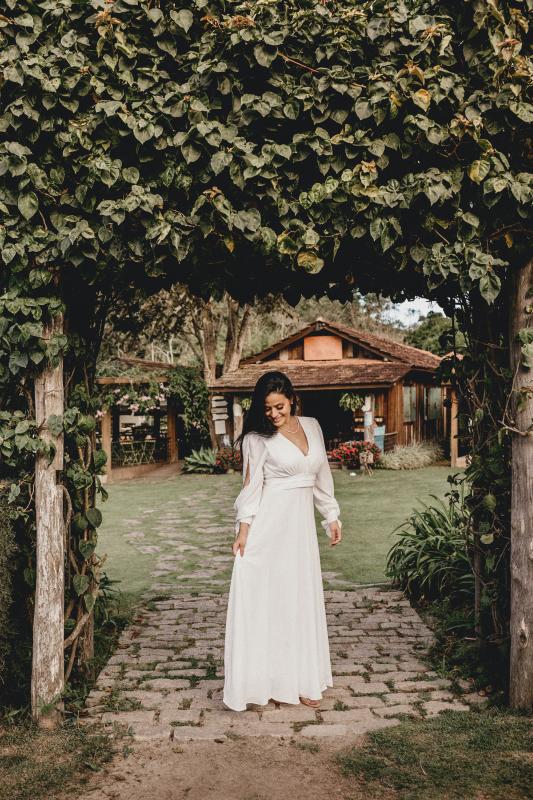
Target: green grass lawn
(371,508)
(141,517)
(486,756)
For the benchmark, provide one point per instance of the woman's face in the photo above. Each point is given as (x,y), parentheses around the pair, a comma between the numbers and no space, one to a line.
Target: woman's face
(277,409)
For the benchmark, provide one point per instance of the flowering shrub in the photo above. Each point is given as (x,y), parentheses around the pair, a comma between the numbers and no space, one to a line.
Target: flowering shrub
(348,452)
(143,400)
(228,458)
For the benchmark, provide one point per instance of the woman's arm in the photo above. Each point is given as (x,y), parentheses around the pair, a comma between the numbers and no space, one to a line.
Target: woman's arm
(247,503)
(324,495)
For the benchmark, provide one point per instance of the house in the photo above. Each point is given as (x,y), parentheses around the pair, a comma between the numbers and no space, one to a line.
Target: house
(324,360)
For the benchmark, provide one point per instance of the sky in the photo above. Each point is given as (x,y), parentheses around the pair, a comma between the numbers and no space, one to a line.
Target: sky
(409,311)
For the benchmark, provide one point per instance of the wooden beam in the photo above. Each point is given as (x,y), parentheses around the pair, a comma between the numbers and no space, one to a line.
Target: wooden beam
(454,428)
(342,387)
(107,427)
(172,433)
(521,664)
(395,411)
(109,380)
(47,679)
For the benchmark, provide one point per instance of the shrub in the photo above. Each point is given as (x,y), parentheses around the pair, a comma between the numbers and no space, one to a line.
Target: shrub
(202,461)
(431,558)
(411,456)
(228,458)
(348,453)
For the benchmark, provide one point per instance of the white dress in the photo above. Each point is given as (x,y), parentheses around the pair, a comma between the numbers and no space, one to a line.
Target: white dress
(276,642)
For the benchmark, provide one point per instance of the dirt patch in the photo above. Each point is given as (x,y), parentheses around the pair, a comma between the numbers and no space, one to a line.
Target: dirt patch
(260,768)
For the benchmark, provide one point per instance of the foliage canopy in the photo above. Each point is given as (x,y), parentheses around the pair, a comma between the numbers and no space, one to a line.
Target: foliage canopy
(298,146)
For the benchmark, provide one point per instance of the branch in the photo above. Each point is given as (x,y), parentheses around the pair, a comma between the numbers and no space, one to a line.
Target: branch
(528,432)
(76,632)
(314,71)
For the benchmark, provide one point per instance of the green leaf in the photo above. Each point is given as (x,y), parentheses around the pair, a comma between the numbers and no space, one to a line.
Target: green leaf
(527,355)
(309,261)
(479,170)
(87,548)
(291,109)
(130,174)
(190,153)
(471,219)
(89,601)
(94,517)
(54,423)
(489,286)
(489,503)
(28,204)
(362,109)
(79,524)
(80,584)
(183,18)
(422,98)
(220,161)
(264,56)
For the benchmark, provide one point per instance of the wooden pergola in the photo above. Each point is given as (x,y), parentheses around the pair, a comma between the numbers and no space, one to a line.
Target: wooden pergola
(110,429)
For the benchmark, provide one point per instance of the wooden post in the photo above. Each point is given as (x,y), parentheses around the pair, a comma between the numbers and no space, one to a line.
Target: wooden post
(395,411)
(454,428)
(368,417)
(172,432)
(521,664)
(47,680)
(238,418)
(107,426)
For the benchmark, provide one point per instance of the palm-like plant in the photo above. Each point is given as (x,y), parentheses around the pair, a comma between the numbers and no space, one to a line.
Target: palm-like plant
(201,461)
(432,557)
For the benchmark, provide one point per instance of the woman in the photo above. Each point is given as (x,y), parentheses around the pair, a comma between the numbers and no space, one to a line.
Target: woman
(276,644)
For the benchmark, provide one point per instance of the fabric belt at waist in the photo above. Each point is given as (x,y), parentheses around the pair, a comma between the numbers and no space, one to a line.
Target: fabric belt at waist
(300,481)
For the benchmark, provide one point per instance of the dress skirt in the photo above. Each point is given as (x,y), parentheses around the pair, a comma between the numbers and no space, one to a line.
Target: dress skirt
(276,643)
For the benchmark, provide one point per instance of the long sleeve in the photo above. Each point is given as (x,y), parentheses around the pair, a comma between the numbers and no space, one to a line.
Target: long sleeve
(323,490)
(253,458)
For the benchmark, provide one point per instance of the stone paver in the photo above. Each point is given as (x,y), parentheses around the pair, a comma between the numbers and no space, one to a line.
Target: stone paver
(165,679)
(175,691)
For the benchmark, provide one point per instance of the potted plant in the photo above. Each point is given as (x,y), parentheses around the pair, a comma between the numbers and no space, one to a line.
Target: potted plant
(349,401)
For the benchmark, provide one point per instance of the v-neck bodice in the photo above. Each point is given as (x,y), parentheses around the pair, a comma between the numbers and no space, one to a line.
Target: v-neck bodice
(307,439)
(275,463)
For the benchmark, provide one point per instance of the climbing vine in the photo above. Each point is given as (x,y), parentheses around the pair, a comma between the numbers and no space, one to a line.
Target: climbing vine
(296,146)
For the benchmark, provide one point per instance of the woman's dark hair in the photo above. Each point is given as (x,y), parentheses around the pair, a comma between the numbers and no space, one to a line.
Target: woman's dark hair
(255,420)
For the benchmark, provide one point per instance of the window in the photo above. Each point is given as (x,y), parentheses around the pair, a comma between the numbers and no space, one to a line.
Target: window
(433,402)
(409,403)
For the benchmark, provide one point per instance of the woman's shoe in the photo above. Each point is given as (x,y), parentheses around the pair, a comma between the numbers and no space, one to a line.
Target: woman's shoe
(307,702)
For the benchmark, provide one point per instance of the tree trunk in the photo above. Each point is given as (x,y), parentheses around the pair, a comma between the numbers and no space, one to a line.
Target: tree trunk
(47,681)
(236,332)
(206,335)
(521,665)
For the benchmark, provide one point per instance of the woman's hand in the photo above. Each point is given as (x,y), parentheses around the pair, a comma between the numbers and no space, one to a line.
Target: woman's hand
(240,542)
(336,534)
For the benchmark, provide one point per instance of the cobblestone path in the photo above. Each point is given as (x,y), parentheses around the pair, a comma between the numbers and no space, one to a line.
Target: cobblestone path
(165,679)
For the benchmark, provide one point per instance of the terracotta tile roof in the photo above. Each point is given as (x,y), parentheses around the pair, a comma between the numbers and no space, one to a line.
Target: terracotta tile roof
(346,372)
(381,345)
(397,350)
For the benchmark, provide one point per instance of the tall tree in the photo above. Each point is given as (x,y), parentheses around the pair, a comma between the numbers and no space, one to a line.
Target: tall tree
(435,333)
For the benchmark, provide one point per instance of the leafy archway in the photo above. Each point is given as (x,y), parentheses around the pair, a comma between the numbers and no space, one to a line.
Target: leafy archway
(303,147)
